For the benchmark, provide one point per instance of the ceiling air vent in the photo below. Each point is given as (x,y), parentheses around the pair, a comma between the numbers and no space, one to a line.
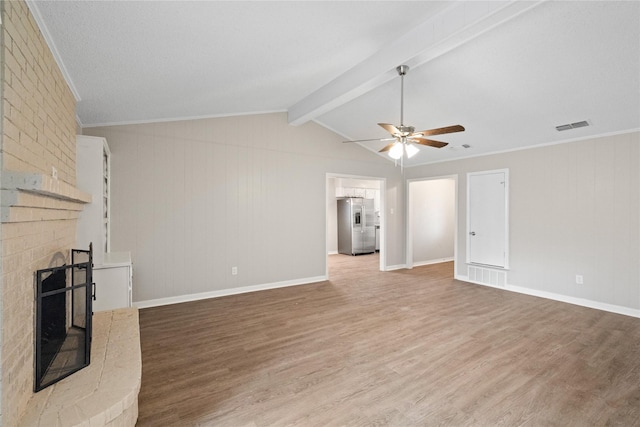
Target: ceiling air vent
(572,125)
(455,148)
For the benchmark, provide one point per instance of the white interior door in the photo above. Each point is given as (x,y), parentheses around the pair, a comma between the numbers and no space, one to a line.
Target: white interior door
(487,218)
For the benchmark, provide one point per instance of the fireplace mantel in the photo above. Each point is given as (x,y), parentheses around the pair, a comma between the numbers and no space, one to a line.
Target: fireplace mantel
(44,185)
(28,197)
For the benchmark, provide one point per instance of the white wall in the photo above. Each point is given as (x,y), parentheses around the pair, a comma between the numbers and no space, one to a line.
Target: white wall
(432,218)
(574,209)
(332,217)
(191,199)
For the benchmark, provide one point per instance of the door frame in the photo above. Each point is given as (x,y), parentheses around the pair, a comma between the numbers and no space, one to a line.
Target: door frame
(383,217)
(409,227)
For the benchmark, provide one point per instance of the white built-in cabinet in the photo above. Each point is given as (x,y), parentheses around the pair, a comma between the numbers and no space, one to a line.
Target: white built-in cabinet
(112,271)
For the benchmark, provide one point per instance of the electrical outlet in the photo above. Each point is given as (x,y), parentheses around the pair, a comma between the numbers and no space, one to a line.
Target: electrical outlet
(54,172)
(234,271)
(579,279)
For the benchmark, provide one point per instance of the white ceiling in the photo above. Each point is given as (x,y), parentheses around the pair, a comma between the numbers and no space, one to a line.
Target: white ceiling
(507,71)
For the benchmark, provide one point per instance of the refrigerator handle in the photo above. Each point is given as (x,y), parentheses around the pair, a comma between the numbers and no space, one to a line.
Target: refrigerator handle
(364,218)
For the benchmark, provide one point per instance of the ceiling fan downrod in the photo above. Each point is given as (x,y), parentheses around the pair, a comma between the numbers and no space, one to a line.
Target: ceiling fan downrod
(402,70)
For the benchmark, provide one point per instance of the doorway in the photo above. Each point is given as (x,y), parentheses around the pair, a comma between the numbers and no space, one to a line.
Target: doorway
(338,185)
(432,220)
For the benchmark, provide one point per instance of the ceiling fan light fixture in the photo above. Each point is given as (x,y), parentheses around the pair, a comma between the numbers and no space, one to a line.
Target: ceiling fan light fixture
(396,151)
(411,150)
(406,138)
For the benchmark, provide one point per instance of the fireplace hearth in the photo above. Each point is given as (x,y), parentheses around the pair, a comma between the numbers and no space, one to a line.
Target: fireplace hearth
(63,319)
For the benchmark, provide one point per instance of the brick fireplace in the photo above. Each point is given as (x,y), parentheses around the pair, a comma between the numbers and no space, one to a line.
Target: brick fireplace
(39,199)
(38,229)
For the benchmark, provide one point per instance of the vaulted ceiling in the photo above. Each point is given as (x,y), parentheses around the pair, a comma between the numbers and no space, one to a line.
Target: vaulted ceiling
(510,72)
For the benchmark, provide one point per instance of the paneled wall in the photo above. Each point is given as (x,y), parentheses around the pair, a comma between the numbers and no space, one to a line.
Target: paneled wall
(193,199)
(38,134)
(574,210)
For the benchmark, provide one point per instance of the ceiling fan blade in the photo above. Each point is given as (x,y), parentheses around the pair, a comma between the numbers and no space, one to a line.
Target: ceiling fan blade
(389,128)
(372,139)
(439,131)
(429,142)
(387,147)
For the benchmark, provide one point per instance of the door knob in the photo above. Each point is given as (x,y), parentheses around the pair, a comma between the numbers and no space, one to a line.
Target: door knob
(472,233)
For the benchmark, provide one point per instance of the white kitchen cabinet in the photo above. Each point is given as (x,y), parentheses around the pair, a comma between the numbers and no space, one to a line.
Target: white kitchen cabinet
(112,271)
(113,281)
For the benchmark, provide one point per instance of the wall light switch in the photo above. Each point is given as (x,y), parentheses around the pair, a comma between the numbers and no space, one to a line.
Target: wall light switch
(234,271)
(54,172)
(579,279)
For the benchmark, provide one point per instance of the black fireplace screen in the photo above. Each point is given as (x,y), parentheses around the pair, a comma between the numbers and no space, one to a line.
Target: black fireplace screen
(63,319)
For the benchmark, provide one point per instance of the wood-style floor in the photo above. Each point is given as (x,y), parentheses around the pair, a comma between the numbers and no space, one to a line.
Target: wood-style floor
(402,348)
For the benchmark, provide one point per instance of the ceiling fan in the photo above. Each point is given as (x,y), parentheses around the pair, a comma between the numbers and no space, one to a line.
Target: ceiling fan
(405,137)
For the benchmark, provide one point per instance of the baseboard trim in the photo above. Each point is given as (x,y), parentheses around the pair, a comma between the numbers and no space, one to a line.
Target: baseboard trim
(432,261)
(395,267)
(226,292)
(583,302)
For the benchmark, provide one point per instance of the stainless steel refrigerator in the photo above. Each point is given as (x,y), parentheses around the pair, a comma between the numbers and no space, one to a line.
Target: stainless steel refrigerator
(356,226)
